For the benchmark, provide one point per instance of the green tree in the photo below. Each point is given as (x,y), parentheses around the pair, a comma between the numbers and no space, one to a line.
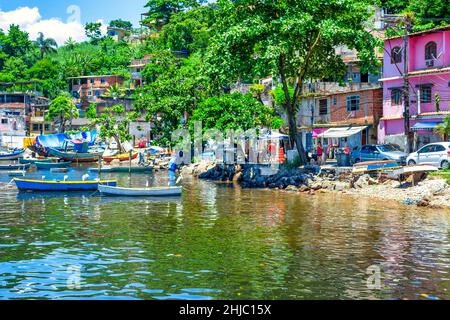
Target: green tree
(121,24)
(160,11)
(16,43)
(93,32)
(426,14)
(233,111)
(47,71)
(443,129)
(189,30)
(45,45)
(62,111)
(91,112)
(115,91)
(174,88)
(70,43)
(292,40)
(114,123)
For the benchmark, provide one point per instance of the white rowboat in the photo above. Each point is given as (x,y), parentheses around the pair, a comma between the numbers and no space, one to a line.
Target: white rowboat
(140,192)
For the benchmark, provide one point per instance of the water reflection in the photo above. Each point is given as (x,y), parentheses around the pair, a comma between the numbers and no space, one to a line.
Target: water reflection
(219,242)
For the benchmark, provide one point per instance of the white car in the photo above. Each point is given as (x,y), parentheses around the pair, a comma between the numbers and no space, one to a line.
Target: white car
(436,154)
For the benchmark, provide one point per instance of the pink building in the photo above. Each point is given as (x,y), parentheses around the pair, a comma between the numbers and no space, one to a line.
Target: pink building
(429,74)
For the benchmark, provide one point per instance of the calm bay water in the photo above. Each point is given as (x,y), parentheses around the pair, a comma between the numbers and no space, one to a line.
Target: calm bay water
(218,242)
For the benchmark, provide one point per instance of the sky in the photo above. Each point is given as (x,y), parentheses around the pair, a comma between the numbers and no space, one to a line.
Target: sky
(61,19)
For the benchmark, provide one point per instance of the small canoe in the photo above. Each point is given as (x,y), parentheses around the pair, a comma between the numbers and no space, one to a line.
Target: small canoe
(76,157)
(12,167)
(371,166)
(34,160)
(47,185)
(139,192)
(120,157)
(12,155)
(51,165)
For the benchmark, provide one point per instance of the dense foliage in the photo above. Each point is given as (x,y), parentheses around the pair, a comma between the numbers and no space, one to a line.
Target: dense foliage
(292,40)
(199,50)
(426,14)
(62,111)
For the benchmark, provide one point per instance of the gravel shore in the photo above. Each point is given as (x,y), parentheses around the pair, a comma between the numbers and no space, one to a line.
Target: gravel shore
(431,192)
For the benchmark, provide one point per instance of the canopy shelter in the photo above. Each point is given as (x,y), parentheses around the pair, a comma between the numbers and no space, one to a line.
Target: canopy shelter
(273,135)
(425,126)
(343,132)
(60,140)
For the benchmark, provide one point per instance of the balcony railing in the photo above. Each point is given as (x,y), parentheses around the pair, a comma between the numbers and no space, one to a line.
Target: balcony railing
(136,75)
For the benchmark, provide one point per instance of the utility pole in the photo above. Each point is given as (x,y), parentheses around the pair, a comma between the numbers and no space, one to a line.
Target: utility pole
(391,20)
(406,85)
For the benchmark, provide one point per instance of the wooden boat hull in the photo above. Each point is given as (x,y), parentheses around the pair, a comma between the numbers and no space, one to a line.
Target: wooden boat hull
(50,165)
(12,167)
(76,157)
(120,157)
(375,166)
(12,156)
(140,192)
(42,185)
(35,160)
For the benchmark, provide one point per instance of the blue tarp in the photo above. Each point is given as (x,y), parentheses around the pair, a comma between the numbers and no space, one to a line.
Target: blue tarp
(429,126)
(90,136)
(57,140)
(51,140)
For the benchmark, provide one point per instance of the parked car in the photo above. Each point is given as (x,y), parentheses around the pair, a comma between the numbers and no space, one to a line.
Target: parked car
(379,152)
(436,154)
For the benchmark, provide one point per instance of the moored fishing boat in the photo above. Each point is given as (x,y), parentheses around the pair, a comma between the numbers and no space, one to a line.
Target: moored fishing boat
(34,160)
(139,192)
(47,185)
(75,156)
(120,157)
(12,167)
(371,166)
(12,155)
(50,165)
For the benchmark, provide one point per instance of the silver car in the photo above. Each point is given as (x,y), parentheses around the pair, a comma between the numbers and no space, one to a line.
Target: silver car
(436,154)
(379,152)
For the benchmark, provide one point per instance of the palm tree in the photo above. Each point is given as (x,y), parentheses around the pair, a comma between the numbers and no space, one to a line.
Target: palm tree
(444,128)
(48,45)
(70,43)
(115,91)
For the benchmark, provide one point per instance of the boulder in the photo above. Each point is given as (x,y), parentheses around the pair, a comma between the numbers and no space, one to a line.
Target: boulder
(291,188)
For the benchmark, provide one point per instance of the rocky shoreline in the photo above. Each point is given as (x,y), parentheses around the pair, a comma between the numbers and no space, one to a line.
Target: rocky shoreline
(431,192)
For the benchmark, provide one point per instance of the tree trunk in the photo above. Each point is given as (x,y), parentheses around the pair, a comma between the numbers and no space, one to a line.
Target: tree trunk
(119,144)
(295,137)
(290,111)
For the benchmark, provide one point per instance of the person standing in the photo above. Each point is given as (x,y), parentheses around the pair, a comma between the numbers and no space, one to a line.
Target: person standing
(172,171)
(319,153)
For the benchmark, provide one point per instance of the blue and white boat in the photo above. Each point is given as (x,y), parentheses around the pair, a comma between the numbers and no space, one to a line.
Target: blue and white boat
(12,155)
(47,185)
(372,166)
